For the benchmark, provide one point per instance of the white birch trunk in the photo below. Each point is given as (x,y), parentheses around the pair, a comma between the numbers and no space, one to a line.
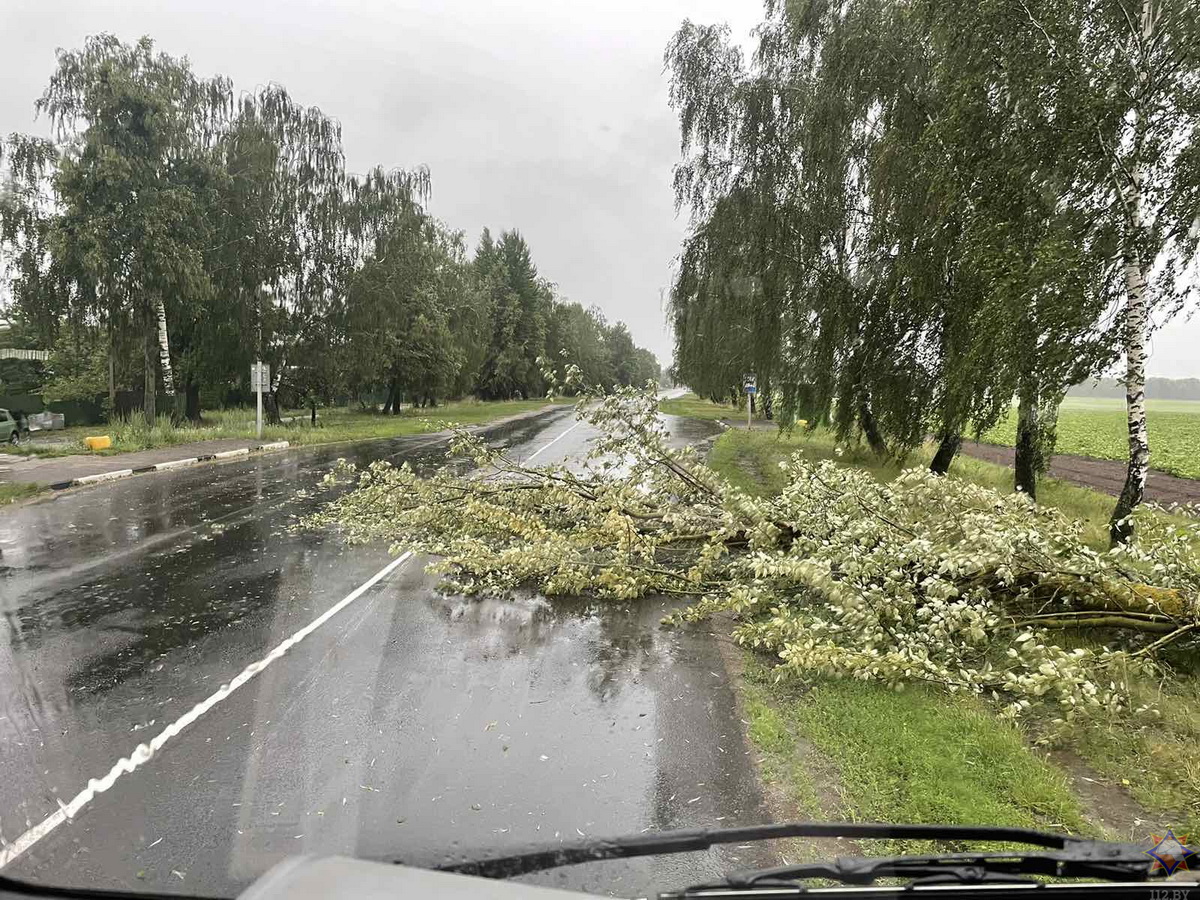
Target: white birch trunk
(164,347)
(1136,320)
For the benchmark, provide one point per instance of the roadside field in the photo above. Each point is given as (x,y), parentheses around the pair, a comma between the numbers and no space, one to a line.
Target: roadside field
(1096,427)
(1087,426)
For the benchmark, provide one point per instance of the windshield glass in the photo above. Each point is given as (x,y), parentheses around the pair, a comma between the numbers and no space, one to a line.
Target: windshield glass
(431,433)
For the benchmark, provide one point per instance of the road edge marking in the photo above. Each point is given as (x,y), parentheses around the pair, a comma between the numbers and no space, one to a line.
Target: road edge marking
(145,752)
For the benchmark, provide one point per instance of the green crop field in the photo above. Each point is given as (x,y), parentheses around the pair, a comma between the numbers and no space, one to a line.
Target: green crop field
(1096,427)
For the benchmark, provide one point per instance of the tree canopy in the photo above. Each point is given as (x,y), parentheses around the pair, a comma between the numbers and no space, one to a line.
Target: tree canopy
(176,232)
(905,214)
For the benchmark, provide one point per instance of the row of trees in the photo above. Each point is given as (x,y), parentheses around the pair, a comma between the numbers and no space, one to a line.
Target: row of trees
(173,231)
(907,212)
(1156,388)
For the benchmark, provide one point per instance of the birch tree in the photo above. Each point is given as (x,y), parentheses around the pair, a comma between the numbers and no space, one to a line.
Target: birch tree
(1131,68)
(135,125)
(925,197)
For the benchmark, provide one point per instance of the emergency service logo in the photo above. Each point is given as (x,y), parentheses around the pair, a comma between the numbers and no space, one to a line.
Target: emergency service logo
(1170,852)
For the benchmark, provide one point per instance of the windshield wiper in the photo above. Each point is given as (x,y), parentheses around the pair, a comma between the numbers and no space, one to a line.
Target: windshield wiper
(1074,856)
(1098,860)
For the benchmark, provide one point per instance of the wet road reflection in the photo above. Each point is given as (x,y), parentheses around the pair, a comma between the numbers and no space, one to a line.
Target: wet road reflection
(413,725)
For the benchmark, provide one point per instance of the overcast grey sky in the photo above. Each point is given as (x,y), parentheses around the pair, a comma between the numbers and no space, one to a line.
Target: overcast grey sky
(546,115)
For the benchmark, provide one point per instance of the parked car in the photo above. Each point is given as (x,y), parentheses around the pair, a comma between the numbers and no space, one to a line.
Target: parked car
(13,428)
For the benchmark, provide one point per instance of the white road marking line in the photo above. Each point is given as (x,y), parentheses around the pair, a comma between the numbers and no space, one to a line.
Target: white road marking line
(545,447)
(144,752)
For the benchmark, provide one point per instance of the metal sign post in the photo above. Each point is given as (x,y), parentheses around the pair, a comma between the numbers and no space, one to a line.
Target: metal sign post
(750,382)
(260,376)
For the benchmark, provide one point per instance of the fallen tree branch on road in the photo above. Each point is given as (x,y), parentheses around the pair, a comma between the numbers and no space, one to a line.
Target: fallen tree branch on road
(924,579)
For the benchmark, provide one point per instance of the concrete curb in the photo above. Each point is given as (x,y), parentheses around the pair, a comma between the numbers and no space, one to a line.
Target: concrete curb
(169,464)
(103,476)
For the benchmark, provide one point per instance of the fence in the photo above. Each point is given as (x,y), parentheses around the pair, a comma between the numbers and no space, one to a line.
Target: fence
(76,412)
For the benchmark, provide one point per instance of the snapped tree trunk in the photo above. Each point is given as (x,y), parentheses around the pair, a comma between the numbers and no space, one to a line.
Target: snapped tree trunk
(149,366)
(870,429)
(948,448)
(1028,463)
(191,405)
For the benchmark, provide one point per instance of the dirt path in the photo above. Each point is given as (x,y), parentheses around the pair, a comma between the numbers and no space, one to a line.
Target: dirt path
(1107,475)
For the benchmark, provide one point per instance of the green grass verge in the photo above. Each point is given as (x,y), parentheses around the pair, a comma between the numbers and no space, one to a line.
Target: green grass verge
(1096,427)
(11,492)
(908,756)
(332,425)
(698,408)
(1158,765)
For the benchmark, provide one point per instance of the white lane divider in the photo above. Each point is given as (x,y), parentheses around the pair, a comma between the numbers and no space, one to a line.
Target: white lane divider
(144,752)
(547,446)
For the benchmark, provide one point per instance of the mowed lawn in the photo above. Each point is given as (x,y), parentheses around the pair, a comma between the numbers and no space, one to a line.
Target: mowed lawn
(1096,427)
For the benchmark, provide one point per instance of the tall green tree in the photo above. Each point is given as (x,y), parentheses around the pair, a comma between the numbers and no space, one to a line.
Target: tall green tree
(399,312)
(519,302)
(907,208)
(1130,70)
(577,336)
(136,126)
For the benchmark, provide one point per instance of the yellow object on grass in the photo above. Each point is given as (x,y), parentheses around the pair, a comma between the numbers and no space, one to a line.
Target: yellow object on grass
(99,442)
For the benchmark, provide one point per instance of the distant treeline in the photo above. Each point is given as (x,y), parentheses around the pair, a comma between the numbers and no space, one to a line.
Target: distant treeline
(1156,388)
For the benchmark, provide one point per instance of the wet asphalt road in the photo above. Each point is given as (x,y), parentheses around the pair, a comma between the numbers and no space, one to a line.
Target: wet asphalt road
(409,726)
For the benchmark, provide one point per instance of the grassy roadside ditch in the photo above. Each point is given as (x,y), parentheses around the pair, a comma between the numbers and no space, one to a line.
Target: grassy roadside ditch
(11,492)
(332,426)
(862,751)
